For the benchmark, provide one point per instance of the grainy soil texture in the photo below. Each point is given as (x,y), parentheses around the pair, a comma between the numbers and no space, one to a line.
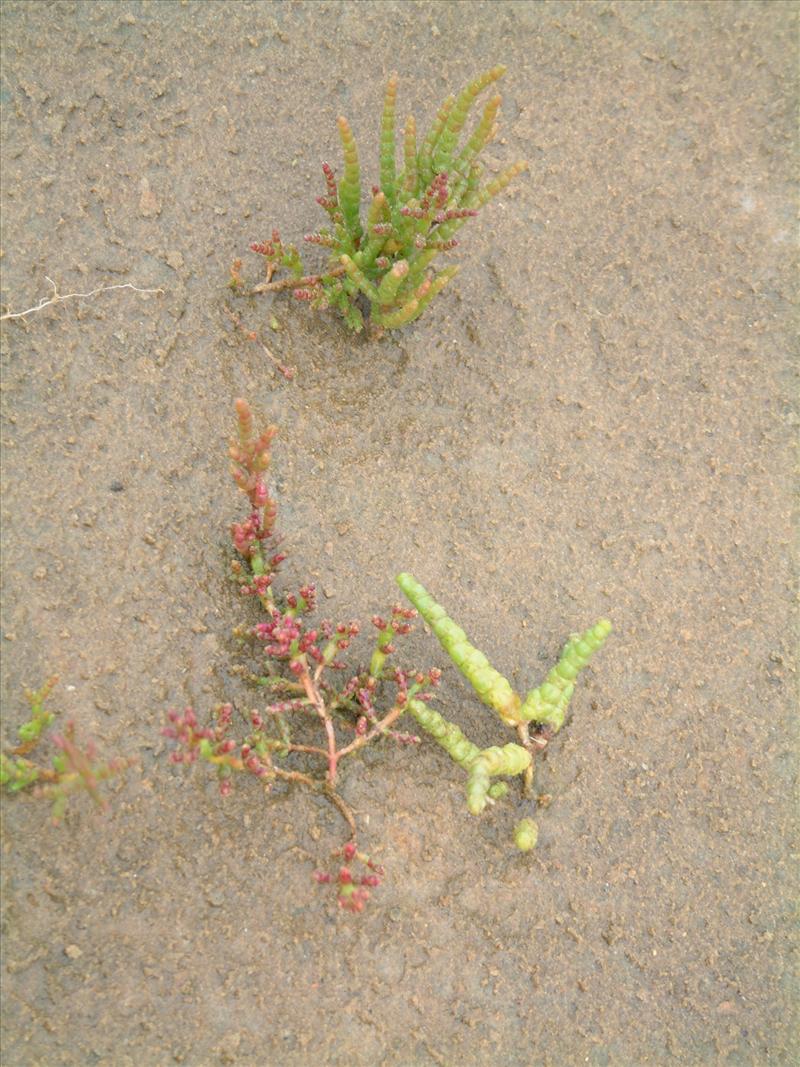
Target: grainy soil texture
(596,418)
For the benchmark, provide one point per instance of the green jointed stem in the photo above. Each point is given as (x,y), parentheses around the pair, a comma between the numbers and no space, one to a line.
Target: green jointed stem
(424,161)
(480,138)
(418,264)
(482,765)
(436,286)
(410,155)
(493,689)
(497,185)
(443,153)
(378,210)
(387,149)
(548,702)
(358,276)
(391,319)
(350,185)
(510,759)
(446,733)
(387,290)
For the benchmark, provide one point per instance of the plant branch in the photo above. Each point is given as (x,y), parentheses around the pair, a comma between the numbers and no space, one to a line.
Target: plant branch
(58,298)
(293,283)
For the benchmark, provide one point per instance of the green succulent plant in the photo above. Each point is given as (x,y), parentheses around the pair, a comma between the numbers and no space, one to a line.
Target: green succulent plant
(544,706)
(384,262)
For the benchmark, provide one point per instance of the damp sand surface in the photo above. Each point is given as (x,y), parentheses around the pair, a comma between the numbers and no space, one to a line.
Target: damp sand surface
(596,418)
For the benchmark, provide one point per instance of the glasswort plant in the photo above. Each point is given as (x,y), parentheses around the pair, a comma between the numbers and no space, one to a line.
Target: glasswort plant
(384,262)
(545,707)
(74,768)
(315,712)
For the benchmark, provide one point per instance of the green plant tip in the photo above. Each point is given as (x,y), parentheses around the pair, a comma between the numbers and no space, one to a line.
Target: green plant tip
(526,834)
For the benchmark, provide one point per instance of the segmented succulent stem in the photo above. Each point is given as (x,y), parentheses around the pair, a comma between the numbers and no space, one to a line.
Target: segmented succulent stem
(436,286)
(492,688)
(350,185)
(410,155)
(548,702)
(480,138)
(497,185)
(510,759)
(418,264)
(446,733)
(425,160)
(392,319)
(378,210)
(387,290)
(359,278)
(387,149)
(377,214)
(446,143)
(482,765)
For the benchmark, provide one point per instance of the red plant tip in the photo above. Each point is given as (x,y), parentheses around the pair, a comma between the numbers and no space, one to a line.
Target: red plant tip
(379,622)
(372,880)
(225,787)
(349,850)
(344,877)
(296,667)
(330,181)
(434,675)
(354,900)
(255,767)
(322,877)
(256,720)
(361,727)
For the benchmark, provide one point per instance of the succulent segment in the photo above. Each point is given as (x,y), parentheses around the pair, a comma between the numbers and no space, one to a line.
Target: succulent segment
(493,689)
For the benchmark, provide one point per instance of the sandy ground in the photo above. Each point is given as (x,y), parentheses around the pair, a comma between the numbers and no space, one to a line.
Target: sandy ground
(597,418)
